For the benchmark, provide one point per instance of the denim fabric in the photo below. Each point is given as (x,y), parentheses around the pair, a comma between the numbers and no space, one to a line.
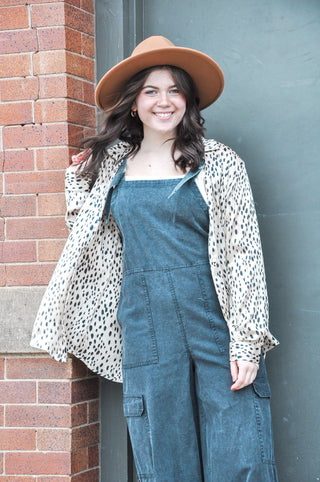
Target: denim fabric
(185,423)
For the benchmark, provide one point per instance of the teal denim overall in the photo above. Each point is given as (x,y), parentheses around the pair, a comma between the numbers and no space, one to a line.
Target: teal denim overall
(185,423)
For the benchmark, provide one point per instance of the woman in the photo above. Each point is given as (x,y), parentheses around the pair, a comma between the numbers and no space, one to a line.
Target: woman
(164,250)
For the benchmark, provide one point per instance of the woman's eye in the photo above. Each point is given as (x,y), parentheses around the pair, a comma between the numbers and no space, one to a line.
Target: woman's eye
(149,92)
(175,91)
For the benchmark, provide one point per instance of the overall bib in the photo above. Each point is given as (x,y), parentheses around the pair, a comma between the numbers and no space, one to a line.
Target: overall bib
(185,423)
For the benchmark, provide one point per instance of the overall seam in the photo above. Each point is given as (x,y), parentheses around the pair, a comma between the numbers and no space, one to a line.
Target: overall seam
(209,316)
(178,312)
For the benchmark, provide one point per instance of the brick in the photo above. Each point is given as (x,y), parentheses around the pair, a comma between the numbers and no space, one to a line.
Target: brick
(79,414)
(3,276)
(37,463)
(86,389)
(1,415)
(36,228)
(53,157)
(18,252)
(52,478)
(77,133)
(88,93)
(60,110)
(1,368)
(50,250)
(52,204)
(12,478)
(17,206)
(93,411)
(38,416)
(58,38)
(53,86)
(34,182)
(51,38)
(17,392)
(29,274)
(81,114)
(87,43)
(19,89)
(87,5)
(78,368)
(37,368)
(79,66)
(16,113)
(49,62)
(79,19)
(51,110)
(73,40)
(84,436)
(88,476)
(12,18)
(35,135)
(54,392)
(80,89)
(15,65)
(21,160)
(17,439)
(79,460)
(11,3)
(18,41)
(1,229)
(93,456)
(54,440)
(47,15)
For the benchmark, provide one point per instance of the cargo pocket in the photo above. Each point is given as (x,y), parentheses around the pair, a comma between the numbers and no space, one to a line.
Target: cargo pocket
(261,398)
(138,424)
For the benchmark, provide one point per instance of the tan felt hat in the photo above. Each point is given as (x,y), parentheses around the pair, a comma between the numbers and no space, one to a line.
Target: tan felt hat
(153,51)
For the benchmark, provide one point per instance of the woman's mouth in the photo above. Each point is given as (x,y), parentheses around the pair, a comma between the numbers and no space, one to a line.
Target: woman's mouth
(163,115)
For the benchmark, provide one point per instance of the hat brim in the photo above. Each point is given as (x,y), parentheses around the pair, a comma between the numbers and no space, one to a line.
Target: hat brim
(205,72)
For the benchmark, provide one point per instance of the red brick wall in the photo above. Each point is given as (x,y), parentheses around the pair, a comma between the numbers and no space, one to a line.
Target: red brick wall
(49,421)
(47,105)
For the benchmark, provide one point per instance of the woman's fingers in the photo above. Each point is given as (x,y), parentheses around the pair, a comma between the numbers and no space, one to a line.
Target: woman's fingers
(243,373)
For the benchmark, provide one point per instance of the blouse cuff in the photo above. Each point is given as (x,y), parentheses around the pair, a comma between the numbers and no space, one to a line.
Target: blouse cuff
(245,351)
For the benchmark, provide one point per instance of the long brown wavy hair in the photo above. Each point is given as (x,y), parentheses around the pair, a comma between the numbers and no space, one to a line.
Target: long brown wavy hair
(120,125)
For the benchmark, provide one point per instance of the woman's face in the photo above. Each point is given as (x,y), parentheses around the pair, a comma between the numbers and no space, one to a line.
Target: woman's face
(160,104)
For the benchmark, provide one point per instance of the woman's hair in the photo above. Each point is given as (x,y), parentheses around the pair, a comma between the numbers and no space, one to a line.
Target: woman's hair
(119,124)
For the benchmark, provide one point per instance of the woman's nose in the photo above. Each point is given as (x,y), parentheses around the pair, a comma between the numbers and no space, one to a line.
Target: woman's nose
(163,99)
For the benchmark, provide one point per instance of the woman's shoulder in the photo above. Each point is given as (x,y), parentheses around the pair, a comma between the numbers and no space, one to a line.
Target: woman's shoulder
(220,158)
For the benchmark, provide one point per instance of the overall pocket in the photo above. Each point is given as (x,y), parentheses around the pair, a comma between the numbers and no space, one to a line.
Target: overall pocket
(138,424)
(261,400)
(139,345)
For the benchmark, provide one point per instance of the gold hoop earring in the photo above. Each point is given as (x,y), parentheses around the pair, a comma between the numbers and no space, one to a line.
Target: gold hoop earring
(133,113)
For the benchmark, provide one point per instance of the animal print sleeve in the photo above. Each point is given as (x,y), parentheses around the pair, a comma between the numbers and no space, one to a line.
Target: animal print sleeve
(249,315)
(76,190)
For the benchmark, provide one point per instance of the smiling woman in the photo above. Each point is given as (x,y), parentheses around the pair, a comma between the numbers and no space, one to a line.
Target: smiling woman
(160,104)
(161,284)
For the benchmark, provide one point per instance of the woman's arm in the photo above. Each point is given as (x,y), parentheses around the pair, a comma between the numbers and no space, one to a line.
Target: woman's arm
(249,314)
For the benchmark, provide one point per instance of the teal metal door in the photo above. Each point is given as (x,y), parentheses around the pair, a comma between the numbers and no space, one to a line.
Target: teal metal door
(269,113)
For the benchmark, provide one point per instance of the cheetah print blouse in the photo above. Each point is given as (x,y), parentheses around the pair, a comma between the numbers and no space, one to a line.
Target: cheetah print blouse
(78,312)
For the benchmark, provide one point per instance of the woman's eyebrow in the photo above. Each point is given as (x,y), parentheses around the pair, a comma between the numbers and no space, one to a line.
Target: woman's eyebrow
(154,87)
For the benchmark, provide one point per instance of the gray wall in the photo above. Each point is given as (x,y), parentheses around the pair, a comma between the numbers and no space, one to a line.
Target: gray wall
(269,113)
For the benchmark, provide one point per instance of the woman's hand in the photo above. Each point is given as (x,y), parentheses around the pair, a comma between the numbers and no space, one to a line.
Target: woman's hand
(243,373)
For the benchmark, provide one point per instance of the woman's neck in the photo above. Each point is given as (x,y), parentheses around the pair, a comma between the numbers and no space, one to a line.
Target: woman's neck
(153,159)
(157,144)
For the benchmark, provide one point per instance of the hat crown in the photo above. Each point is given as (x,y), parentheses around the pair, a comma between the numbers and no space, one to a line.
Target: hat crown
(152,43)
